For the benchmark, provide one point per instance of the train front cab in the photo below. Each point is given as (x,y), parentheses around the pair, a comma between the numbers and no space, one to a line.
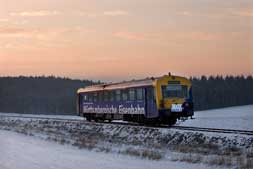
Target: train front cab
(174,98)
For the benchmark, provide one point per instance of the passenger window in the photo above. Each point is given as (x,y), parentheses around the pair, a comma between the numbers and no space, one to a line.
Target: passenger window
(139,93)
(100,96)
(85,98)
(118,95)
(90,97)
(112,96)
(124,95)
(132,94)
(106,95)
(95,97)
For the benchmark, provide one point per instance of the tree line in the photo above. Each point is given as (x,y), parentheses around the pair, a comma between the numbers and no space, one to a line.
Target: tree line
(39,95)
(217,92)
(55,95)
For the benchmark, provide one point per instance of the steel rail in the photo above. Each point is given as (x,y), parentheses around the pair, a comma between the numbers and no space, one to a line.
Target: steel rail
(214,130)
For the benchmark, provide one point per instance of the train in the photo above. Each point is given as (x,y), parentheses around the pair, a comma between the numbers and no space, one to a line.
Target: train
(154,100)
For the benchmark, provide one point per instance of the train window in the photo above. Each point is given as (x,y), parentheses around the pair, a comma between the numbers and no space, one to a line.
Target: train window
(150,93)
(95,97)
(100,96)
(90,97)
(106,96)
(118,94)
(178,91)
(112,96)
(131,94)
(139,93)
(85,97)
(124,95)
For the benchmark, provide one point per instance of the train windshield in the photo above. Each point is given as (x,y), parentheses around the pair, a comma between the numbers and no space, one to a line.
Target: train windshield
(174,90)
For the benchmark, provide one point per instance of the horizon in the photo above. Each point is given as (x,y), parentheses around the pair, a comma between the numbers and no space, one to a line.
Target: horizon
(122,80)
(121,40)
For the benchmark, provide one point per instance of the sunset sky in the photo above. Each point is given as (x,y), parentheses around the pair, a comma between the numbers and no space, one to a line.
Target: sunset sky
(113,40)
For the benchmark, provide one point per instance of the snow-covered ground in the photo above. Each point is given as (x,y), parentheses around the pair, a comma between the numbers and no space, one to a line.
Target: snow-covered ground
(240,118)
(23,152)
(167,145)
(71,117)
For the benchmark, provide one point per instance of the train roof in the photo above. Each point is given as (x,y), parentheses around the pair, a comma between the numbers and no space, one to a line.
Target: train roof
(122,85)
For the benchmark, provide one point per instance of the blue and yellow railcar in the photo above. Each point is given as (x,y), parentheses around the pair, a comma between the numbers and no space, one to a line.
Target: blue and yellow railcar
(160,100)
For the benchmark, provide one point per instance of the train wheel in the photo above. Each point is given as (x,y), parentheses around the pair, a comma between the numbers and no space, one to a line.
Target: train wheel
(88,117)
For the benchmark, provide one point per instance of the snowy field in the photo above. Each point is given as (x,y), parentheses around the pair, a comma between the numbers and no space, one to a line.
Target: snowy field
(72,117)
(65,145)
(24,152)
(240,118)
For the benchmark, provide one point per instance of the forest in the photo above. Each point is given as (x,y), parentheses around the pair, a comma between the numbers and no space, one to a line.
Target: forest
(39,95)
(55,95)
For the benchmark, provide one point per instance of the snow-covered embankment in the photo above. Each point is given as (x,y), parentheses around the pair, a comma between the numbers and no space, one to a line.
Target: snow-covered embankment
(147,142)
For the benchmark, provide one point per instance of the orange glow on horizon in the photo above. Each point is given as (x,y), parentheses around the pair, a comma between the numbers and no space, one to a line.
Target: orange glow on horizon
(119,40)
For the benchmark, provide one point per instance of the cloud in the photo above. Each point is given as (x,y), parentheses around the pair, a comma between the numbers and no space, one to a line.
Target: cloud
(105,13)
(29,34)
(192,36)
(115,13)
(247,13)
(36,13)
(77,29)
(15,22)
(203,36)
(4,20)
(11,31)
(27,38)
(184,13)
(131,36)
(46,36)
(20,22)
(88,14)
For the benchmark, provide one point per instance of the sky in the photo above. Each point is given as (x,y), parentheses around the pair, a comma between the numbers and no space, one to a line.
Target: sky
(114,40)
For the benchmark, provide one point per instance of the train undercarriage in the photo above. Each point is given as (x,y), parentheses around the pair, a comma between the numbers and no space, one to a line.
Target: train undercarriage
(139,118)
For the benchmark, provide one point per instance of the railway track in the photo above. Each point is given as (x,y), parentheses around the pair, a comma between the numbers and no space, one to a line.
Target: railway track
(42,118)
(214,130)
(187,128)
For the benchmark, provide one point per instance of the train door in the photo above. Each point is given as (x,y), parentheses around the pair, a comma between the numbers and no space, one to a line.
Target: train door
(151,108)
